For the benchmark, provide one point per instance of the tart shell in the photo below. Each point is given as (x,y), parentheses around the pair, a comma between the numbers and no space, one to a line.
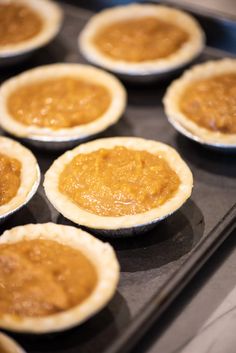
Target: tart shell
(51,15)
(30,175)
(185,54)
(62,136)
(100,254)
(121,225)
(180,121)
(9,344)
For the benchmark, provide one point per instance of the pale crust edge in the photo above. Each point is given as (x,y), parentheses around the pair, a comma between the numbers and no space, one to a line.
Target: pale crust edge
(80,216)
(9,344)
(51,15)
(86,72)
(189,50)
(100,254)
(177,87)
(30,173)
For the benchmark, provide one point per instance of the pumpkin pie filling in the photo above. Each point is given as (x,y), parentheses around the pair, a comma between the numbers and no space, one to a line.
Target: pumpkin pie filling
(58,103)
(10,178)
(139,40)
(118,181)
(41,277)
(18,23)
(211,103)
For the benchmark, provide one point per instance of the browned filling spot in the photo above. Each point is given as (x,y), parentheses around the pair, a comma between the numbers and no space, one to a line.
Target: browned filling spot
(10,178)
(211,103)
(118,181)
(59,103)
(42,277)
(138,40)
(18,23)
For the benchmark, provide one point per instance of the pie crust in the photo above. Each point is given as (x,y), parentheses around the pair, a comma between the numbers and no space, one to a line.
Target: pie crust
(51,15)
(88,73)
(185,54)
(119,224)
(101,255)
(180,121)
(30,175)
(9,345)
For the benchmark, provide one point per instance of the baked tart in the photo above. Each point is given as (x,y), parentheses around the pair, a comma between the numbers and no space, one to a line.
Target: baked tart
(26,25)
(19,176)
(53,277)
(118,186)
(141,40)
(202,103)
(61,104)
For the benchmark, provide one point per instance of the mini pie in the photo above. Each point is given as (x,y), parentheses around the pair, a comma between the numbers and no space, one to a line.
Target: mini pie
(132,39)
(118,184)
(19,176)
(202,103)
(61,102)
(26,25)
(54,277)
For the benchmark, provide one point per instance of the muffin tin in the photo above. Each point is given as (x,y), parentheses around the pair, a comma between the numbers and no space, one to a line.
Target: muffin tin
(155,266)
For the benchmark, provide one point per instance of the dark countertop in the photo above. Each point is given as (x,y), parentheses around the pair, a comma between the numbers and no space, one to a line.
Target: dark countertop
(211,290)
(222,6)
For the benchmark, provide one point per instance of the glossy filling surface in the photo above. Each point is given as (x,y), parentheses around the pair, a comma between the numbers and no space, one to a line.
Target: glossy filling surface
(18,23)
(211,103)
(42,277)
(59,103)
(118,181)
(138,40)
(10,178)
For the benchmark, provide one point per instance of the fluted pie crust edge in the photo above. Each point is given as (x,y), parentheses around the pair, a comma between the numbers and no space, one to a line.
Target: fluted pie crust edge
(101,255)
(85,72)
(179,120)
(51,15)
(30,173)
(186,53)
(80,216)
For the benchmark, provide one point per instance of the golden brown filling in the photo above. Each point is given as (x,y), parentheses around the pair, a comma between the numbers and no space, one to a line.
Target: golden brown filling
(10,178)
(118,181)
(42,277)
(59,103)
(211,103)
(139,40)
(18,23)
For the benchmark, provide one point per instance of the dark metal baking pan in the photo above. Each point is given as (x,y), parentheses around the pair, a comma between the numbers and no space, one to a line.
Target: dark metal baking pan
(154,266)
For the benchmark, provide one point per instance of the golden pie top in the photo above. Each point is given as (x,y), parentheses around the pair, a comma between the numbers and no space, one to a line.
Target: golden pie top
(41,277)
(18,23)
(118,181)
(10,178)
(211,103)
(59,103)
(139,40)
